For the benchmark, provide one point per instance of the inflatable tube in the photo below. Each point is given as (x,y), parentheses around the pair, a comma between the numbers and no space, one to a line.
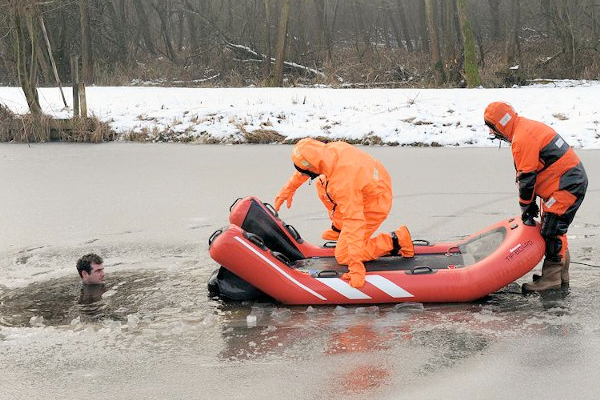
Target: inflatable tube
(268,254)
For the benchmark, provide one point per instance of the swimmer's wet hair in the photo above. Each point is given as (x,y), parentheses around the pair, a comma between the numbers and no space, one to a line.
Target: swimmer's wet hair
(85,263)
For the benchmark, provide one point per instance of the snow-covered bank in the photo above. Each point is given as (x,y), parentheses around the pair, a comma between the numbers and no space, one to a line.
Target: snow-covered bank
(444,117)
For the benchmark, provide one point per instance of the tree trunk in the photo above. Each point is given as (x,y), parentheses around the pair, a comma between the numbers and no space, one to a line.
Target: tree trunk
(267,62)
(514,68)
(546,13)
(408,41)
(164,18)
(281,41)
(565,29)
(323,34)
(469,49)
(51,56)
(434,44)
(495,16)
(360,29)
(25,46)
(452,43)
(144,26)
(401,41)
(180,31)
(193,34)
(117,17)
(333,20)
(420,27)
(87,62)
(513,48)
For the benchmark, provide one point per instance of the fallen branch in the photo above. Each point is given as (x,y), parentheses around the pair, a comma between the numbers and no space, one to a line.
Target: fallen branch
(254,56)
(245,50)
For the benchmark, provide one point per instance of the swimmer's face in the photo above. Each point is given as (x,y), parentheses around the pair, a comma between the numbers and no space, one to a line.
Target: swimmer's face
(96,275)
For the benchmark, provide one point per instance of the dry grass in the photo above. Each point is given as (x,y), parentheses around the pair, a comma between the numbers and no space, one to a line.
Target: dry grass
(263,136)
(26,129)
(257,136)
(31,128)
(560,116)
(6,118)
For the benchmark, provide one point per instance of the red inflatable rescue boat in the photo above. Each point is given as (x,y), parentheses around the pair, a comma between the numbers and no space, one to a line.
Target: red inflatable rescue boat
(261,252)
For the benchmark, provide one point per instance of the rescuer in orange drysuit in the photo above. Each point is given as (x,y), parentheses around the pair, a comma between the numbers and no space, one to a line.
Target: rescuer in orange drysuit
(547,167)
(356,189)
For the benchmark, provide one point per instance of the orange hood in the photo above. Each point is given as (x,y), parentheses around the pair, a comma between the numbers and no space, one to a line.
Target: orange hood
(314,156)
(501,117)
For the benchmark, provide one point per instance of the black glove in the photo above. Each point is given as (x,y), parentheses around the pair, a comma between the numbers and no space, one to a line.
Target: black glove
(529,212)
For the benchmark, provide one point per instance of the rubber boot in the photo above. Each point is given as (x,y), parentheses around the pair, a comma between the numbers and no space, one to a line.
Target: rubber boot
(356,274)
(331,234)
(564,273)
(402,243)
(550,279)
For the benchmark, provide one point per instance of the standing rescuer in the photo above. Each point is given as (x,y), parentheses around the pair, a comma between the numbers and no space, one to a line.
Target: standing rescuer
(356,189)
(547,167)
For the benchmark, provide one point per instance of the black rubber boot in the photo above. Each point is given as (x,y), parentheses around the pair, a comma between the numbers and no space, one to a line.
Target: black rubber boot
(550,279)
(564,274)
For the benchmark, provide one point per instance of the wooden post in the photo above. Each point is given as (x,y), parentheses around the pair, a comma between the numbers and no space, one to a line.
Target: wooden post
(82,100)
(75,83)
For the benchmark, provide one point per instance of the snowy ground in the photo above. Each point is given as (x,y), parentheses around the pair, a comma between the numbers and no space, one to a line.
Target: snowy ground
(444,117)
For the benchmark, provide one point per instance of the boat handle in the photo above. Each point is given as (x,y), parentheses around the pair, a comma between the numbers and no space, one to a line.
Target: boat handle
(271,210)
(234,203)
(420,271)
(214,236)
(421,242)
(293,232)
(281,257)
(257,240)
(452,251)
(330,244)
(328,274)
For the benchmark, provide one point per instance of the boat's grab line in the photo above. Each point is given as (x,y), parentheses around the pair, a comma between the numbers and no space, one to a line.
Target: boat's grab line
(282,272)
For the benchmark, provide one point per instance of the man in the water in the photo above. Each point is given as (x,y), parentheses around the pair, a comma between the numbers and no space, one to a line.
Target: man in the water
(91,269)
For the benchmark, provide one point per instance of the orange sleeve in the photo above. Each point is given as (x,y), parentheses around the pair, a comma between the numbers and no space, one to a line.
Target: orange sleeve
(526,156)
(296,180)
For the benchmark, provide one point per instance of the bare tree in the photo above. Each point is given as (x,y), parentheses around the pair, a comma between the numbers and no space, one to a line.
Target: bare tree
(513,46)
(24,15)
(238,41)
(267,63)
(495,17)
(469,50)
(281,41)
(324,39)
(434,44)
(87,60)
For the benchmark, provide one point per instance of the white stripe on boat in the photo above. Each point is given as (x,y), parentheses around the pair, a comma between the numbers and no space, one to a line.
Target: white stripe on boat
(344,288)
(282,272)
(387,286)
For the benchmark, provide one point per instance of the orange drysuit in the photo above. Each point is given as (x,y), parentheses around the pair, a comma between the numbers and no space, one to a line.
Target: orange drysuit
(547,167)
(356,189)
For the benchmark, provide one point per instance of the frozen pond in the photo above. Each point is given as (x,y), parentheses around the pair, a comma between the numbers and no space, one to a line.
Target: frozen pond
(154,333)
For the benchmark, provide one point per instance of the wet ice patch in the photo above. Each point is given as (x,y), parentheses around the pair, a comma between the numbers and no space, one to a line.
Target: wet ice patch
(371,310)
(408,307)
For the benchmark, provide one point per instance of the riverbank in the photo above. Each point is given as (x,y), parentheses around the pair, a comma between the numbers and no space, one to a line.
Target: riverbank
(404,117)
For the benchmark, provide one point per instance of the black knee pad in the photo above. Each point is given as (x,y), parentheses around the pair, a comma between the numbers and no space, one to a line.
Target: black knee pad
(553,248)
(553,225)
